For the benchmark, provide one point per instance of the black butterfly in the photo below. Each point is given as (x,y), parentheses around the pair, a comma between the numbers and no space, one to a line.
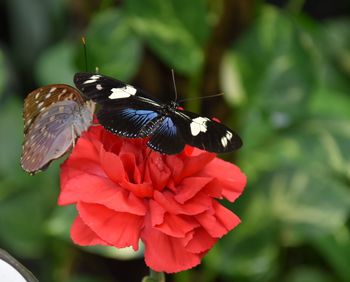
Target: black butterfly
(130,112)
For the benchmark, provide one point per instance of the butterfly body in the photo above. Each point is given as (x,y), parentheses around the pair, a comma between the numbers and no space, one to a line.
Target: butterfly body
(54,116)
(132,113)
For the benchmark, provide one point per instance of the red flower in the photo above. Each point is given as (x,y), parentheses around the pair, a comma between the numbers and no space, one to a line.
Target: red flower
(124,193)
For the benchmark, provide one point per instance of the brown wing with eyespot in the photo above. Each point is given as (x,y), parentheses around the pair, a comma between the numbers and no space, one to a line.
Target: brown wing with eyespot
(52,134)
(42,98)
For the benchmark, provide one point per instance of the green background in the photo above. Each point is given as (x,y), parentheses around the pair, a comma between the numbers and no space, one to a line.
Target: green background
(285,74)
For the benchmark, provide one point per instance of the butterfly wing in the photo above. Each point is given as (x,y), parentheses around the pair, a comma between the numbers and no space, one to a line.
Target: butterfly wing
(42,98)
(126,110)
(167,138)
(205,133)
(52,134)
(130,112)
(132,120)
(106,90)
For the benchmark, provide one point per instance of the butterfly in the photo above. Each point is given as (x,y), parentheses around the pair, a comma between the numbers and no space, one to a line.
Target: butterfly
(54,116)
(130,112)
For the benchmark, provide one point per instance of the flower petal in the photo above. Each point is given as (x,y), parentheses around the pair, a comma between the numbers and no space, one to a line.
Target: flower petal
(219,221)
(189,187)
(156,213)
(194,206)
(130,167)
(196,162)
(158,171)
(112,166)
(165,253)
(201,241)
(84,149)
(86,187)
(82,235)
(175,165)
(177,225)
(228,177)
(124,193)
(119,229)
(142,190)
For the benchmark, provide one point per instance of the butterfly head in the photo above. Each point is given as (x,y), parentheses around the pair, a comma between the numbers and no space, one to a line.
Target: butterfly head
(171,107)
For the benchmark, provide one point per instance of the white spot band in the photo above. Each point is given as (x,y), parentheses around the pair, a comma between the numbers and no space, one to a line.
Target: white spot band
(198,125)
(124,92)
(92,79)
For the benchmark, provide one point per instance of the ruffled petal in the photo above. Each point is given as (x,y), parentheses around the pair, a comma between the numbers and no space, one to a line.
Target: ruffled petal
(177,225)
(82,235)
(228,177)
(156,213)
(85,149)
(166,253)
(130,167)
(124,193)
(176,166)
(117,228)
(112,166)
(189,187)
(196,162)
(86,187)
(159,173)
(196,205)
(218,221)
(142,190)
(201,241)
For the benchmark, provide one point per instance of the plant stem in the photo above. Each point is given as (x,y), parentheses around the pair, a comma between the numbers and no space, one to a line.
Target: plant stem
(157,276)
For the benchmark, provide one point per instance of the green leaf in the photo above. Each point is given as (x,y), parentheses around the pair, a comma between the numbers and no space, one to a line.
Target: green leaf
(337,43)
(24,200)
(308,274)
(30,25)
(302,200)
(326,101)
(249,251)
(3,74)
(112,46)
(336,250)
(277,63)
(231,81)
(11,123)
(177,37)
(24,207)
(56,65)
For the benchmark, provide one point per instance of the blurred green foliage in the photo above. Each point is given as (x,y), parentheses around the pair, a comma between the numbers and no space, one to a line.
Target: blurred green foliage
(286,80)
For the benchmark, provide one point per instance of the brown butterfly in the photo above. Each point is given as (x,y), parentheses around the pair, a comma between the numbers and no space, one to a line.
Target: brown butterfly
(54,116)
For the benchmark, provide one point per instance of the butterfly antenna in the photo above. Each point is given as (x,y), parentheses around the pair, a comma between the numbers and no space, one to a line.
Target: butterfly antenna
(173,76)
(85,53)
(201,98)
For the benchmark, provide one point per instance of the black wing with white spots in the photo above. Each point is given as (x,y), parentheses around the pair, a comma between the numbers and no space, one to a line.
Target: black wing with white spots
(106,90)
(206,134)
(130,112)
